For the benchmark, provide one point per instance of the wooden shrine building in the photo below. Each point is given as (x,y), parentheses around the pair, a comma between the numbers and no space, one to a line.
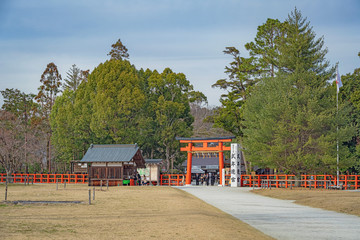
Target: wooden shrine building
(114,163)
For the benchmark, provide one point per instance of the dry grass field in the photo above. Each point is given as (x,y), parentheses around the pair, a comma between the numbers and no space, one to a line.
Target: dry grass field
(334,200)
(120,213)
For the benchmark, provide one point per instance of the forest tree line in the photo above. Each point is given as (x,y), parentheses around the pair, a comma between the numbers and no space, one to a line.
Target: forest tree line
(280,103)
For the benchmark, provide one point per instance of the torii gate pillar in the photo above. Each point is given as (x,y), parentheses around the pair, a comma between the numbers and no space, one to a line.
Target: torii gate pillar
(189,164)
(221,162)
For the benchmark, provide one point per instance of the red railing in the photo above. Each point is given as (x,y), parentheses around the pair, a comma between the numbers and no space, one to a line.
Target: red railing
(274,181)
(306,181)
(46,178)
(172,179)
(277,181)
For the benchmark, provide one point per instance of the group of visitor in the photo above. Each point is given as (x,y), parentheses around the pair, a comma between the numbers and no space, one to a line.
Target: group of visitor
(140,180)
(206,178)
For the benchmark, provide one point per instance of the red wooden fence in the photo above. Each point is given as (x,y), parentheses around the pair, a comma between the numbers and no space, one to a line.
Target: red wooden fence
(172,179)
(275,181)
(306,181)
(46,178)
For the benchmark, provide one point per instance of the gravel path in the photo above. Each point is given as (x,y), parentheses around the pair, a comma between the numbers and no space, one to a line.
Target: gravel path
(281,219)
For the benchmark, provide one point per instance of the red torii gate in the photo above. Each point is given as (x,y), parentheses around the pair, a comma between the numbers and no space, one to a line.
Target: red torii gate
(205,148)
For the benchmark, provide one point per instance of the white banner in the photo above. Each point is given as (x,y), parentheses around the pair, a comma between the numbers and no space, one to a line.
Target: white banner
(235,162)
(223,177)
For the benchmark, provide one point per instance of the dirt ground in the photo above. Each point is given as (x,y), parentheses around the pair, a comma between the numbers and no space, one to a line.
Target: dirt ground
(119,213)
(334,200)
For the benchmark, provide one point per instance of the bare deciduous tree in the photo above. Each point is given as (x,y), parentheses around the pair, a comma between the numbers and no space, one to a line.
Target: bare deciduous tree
(11,142)
(202,125)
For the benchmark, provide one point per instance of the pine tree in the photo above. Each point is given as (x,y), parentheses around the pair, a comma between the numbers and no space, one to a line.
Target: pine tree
(239,83)
(72,80)
(265,47)
(291,119)
(350,94)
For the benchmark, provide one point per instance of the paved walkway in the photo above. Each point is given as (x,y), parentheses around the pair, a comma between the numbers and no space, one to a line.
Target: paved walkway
(280,219)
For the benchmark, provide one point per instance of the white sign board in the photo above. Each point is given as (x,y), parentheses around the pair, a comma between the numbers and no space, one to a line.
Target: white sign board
(235,162)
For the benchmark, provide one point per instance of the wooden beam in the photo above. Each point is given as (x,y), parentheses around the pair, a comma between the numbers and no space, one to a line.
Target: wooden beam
(184,149)
(106,171)
(206,141)
(205,149)
(226,148)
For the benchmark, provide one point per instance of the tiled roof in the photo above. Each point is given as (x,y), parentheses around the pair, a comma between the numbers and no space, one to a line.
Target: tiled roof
(110,153)
(196,169)
(155,161)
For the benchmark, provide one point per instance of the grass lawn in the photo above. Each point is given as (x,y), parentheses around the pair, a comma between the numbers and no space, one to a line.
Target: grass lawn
(334,200)
(120,213)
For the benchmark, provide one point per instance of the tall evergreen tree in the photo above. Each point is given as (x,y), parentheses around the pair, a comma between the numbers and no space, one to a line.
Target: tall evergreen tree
(350,94)
(291,119)
(119,104)
(17,102)
(84,74)
(62,122)
(169,96)
(51,82)
(73,78)
(265,47)
(240,81)
(118,51)
(243,73)
(301,51)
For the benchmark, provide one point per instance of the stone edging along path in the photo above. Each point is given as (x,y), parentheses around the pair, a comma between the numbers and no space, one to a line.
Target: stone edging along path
(281,219)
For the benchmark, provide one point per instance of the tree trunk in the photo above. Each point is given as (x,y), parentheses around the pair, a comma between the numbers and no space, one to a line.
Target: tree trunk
(50,154)
(152,153)
(6,187)
(25,149)
(8,175)
(245,163)
(172,165)
(167,156)
(26,137)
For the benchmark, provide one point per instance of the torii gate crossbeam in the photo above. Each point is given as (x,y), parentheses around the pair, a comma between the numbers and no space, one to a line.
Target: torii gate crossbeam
(190,149)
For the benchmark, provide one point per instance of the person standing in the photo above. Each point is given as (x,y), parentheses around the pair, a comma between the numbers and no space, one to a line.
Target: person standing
(135,179)
(138,179)
(212,179)
(143,180)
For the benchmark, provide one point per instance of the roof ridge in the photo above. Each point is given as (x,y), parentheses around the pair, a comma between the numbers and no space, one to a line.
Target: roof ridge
(114,145)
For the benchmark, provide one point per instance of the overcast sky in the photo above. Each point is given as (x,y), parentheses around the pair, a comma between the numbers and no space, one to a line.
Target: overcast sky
(187,36)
